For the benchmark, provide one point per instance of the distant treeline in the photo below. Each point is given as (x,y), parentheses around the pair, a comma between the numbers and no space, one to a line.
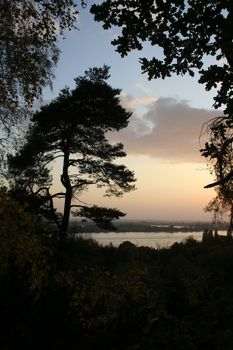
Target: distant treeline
(137,226)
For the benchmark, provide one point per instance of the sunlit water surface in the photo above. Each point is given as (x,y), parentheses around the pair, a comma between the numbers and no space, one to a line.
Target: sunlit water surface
(148,239)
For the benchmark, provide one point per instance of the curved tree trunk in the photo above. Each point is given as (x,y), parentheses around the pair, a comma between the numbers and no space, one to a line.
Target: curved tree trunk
(68,197)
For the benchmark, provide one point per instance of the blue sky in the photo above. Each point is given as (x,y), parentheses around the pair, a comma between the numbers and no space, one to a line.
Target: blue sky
(162,139)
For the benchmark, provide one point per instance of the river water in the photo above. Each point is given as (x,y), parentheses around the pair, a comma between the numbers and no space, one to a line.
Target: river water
(149,239)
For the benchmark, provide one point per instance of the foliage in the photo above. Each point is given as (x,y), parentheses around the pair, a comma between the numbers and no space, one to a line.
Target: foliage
(222,205)
(82,295)
(20,244)
(29,32)
(185,33)
(190,36)
(73,127)
(219,149)
(87,296)
(28,278)
(24,267)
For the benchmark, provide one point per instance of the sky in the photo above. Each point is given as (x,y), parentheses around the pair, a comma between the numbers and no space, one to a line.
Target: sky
(162,140)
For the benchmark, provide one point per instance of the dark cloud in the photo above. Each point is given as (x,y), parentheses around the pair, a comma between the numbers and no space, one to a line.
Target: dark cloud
(169,131)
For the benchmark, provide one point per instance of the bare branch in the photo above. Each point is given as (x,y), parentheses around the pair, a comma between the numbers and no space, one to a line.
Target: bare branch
(77,206)
(81,201)
(221,181)
(59,195)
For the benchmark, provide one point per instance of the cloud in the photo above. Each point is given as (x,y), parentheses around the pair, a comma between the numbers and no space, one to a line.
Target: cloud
(130,102)
(169,131)
(142,87)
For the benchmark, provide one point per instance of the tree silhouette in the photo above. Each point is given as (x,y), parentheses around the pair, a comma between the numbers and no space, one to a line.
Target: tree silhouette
(222,205)
(186,33)
(28,37)
(73,127)
(219,149)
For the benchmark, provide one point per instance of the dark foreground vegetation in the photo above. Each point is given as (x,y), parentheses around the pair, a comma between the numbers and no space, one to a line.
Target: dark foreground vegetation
(79,295)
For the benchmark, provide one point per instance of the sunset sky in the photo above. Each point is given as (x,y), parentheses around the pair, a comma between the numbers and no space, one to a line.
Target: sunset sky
(162,139)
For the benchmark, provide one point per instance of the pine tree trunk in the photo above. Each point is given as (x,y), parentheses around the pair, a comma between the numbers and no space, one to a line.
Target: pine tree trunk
(68,197)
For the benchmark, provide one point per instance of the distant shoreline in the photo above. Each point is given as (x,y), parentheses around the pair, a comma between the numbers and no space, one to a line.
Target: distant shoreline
(150,226)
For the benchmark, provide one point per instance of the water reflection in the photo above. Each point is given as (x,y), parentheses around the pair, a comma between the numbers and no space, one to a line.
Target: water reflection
(155,240)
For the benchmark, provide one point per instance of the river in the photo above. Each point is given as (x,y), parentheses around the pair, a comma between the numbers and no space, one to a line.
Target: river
(149,239)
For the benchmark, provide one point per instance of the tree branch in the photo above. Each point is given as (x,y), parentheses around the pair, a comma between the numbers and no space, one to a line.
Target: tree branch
(221,181)
(55,218)
(59,195)
(77,206)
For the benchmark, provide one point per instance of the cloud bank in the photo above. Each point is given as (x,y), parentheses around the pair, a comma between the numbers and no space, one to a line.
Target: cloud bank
(169,131)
